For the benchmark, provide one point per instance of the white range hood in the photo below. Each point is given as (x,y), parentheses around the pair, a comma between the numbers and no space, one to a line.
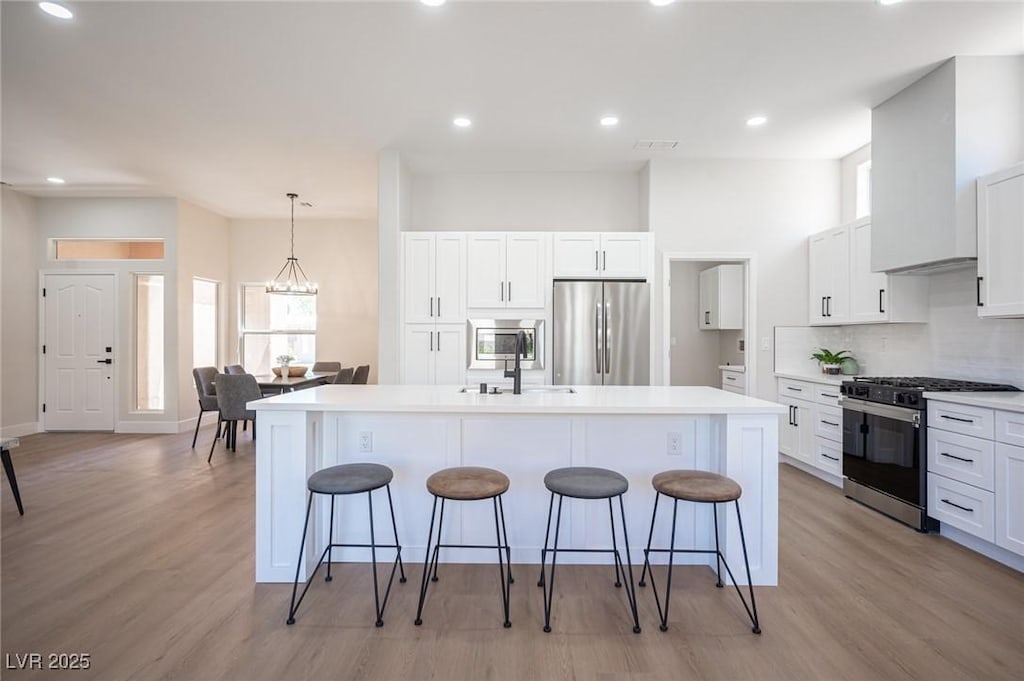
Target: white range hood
(929,143)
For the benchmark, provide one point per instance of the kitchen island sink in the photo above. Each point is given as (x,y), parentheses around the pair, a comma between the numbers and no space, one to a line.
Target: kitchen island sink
(527,390)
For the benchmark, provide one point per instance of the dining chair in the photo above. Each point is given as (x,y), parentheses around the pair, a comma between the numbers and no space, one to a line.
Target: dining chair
(234,369)
(344,375)
(362,373)
(326,366)
(207,392)
(234,391)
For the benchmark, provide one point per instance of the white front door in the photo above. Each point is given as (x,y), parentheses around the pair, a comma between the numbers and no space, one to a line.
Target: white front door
(78,337)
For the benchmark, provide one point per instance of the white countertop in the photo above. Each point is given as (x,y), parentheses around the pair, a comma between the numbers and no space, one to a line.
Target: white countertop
(996,400)
(825,379)
(739,368)
(587,400)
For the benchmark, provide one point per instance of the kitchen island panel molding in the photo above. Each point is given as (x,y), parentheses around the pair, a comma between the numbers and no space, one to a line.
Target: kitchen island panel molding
(525,439)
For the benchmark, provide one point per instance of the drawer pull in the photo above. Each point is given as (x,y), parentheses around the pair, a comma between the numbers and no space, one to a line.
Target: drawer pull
(730,378)
(829,423)
(958,458)
(796,390)
(962,508)
(834,397)
(830,457)
(955,418)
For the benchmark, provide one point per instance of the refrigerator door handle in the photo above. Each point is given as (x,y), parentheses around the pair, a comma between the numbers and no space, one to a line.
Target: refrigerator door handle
(607,338)
(597,338)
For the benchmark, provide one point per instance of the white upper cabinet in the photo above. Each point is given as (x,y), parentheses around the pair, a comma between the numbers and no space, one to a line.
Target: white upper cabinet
(721,298)
(829,277)
(617,255)
(876,296)
(433,288)
(506,270)
(1001,243)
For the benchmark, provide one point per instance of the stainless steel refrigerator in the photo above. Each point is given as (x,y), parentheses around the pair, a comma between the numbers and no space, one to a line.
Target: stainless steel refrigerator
(601,333)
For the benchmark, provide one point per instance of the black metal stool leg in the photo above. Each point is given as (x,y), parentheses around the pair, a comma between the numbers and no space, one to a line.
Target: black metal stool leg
(663,614)
(615,549)
(330,540)
(650,536)
(504,533)
(373,562)
(298,564)
(501,569)
(440,528)
(12,480)
(426,565)
(630,585)
(394,527)
(750,581)
(549,585)
(547,534)
(718,550)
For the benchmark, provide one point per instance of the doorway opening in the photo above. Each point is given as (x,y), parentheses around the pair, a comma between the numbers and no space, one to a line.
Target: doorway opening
(709,302)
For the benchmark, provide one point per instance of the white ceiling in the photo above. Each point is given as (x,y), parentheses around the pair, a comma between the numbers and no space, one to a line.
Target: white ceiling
(230,105)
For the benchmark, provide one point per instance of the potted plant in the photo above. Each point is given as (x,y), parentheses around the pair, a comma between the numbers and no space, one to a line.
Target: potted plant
(831,362)
(284,361)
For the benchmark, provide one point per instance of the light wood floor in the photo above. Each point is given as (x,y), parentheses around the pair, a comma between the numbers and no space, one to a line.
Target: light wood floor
(137,552)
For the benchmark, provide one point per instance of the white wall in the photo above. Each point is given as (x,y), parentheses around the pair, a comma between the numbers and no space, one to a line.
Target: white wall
(588,201)
(394,196)
(204,240)
(341,256)
(760,206)
(123,218)
(955,343)
(19,330)
(848,182)
(695,355)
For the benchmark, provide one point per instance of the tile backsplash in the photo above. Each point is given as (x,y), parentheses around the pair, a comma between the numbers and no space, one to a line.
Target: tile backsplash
(955,343)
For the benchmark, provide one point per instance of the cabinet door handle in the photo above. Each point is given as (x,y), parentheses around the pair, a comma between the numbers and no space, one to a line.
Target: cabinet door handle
(730,378)
(431,341)
(792,415)
(881,292)
(503,292)
(439,341)
(955,418)
(962,508)
(707,318)
(829,423)
(431,306)
(958,458)
(833,397)
(796,421)
(604,260)
(829,457)
(796,390)
(823,306)
(510,291)
(980,304)
(828,306)
(597,262)
(439,306)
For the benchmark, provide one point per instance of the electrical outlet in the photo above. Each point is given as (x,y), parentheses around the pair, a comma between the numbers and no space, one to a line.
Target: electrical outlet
(742,345)
(675,444)
(366,441)
(765,343)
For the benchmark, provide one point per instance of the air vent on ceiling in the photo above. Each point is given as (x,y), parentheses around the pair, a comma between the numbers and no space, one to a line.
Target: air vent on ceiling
(655,145)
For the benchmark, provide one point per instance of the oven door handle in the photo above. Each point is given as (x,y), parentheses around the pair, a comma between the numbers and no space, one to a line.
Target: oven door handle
(886,411)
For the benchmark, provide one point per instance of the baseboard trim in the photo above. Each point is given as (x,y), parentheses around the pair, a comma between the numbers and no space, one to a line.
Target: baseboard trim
(20,429)
(831,479)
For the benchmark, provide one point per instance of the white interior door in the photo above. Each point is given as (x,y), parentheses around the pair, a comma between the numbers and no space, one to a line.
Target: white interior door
(78,362)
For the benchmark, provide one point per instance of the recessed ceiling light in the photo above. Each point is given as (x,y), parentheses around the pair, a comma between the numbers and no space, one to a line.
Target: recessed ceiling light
(432,3)
(609,121)
(53,9)
(55,180)
(462,122)
(755,121)
(661,3)
(889,2)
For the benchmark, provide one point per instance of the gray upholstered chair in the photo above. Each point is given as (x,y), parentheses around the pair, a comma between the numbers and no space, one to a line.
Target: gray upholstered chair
(326,366)
(362,373)
(234,369)
(233,393)
(344,375)
(203,376)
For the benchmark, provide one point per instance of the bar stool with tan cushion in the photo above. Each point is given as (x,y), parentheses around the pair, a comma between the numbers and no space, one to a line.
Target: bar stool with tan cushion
(468,483)
(702,487)
(586,482)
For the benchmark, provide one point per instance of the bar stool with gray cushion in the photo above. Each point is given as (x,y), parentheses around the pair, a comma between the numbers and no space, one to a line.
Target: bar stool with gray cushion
(344,376)
(702,487)
(207,392)
(344,479)
(233,393)
(583,482)
(468,483)
(362,374)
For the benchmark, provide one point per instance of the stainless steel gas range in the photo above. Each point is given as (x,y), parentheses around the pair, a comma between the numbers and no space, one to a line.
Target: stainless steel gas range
(885,440)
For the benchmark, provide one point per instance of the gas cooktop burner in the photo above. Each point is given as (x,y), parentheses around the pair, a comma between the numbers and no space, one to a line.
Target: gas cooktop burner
(934,384)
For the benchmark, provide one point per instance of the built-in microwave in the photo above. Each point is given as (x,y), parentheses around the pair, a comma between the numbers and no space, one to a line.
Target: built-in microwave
(493,341)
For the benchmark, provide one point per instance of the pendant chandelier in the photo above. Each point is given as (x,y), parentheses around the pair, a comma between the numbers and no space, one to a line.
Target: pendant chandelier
(291,280)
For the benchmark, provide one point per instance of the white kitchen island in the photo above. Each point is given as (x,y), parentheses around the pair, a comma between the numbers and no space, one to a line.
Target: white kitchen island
(417,430)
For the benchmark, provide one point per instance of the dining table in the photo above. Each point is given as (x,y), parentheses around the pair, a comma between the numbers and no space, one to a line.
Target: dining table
(273,384)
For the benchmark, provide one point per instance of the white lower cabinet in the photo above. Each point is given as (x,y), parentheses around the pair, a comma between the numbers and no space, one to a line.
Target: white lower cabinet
(434,354)
(816,437)
(976,471)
